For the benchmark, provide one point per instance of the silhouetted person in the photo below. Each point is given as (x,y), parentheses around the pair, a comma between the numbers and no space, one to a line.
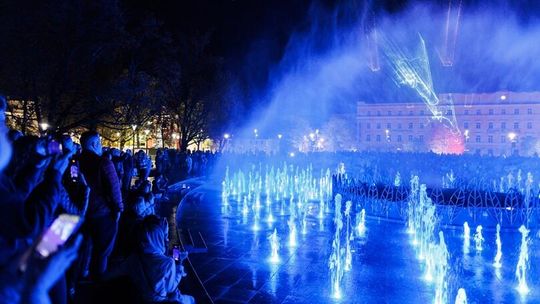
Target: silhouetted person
(105,204)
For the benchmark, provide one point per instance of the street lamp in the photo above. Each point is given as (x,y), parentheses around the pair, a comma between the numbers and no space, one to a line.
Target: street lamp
(44,126)
(226,135)
(146,132)
(279,136)
(512,136)
(134,127)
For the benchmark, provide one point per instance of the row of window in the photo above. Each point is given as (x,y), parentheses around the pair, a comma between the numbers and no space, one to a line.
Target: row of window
(399,138)
(450,112)
(503,125)
(465,125)
(478,138)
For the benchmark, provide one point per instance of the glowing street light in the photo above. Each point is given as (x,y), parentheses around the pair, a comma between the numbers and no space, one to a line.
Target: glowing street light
(226,135)
(312,136)
(134,127)
(512,136)
(146,132)
(503,97)
(291,154)
(44,126)
(279,136)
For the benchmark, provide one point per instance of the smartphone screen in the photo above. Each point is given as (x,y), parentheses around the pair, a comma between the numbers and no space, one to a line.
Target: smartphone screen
(56,235)
(74,171)
(176,254)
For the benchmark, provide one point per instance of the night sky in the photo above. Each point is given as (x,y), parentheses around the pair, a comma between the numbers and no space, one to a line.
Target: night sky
(252,38)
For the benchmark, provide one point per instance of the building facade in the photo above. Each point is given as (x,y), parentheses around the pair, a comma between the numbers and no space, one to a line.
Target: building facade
(500,123)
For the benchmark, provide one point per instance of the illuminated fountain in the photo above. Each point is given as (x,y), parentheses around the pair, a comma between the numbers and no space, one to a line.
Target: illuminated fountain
(321,209)
(523,262)
(498,255)
(478,238)
(361,223)
(348,236)
(466,238)
(461,297)
(274,247)
(292,231)
(440,270)
(336,261)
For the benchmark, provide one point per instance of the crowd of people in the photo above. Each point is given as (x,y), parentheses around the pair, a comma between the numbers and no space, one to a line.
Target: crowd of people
(75,214)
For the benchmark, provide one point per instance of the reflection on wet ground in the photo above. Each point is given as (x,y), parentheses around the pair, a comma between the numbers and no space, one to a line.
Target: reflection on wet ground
(237,267)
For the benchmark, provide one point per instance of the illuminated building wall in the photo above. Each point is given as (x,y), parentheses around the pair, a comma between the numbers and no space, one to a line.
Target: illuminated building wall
(499,123)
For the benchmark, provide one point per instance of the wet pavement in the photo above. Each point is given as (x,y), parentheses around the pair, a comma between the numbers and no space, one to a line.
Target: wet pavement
(236,266)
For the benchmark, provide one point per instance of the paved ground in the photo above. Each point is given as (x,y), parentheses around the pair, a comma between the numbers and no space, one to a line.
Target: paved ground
(385,270)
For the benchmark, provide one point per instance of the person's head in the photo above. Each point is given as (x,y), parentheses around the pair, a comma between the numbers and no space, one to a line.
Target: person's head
(145,187)
(13,135)
(153,235)
(91,141)
(115,152)
(139,207)
(5,146)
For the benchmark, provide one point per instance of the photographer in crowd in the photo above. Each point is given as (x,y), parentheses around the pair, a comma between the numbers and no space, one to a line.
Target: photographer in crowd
(26,209)
(105,203)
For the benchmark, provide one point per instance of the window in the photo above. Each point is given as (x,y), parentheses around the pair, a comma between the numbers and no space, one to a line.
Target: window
(478,138)
(516,125)
(478,125)
(466,125)
(411,113)
(378,138)
(516,111)
(399,138)
(368,137)
(399,113)
(421,125)
(449,112)
(389,113)
(410,138)
(490,139)
(410,125)
(421,138)
(478,112)
(503,125)
(490,125)
(466,112)
(389,126)
(368,113)
(529,125)
(378,113)
(490,152)
(378,125)
(399,125)
(529,111)
(503,139)
(490,112)
(368,126)
(503,111)
(422,113)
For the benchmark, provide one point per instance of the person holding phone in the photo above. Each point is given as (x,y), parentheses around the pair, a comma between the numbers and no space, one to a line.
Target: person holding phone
(155,274)
(105,202)
(21,218)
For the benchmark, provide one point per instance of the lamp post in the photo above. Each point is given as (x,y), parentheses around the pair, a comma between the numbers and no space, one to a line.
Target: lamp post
(43,126)
(146,132)
(134,127)
(226,137)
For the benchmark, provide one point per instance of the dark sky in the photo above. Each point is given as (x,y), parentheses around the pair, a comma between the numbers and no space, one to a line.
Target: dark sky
(251,35)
